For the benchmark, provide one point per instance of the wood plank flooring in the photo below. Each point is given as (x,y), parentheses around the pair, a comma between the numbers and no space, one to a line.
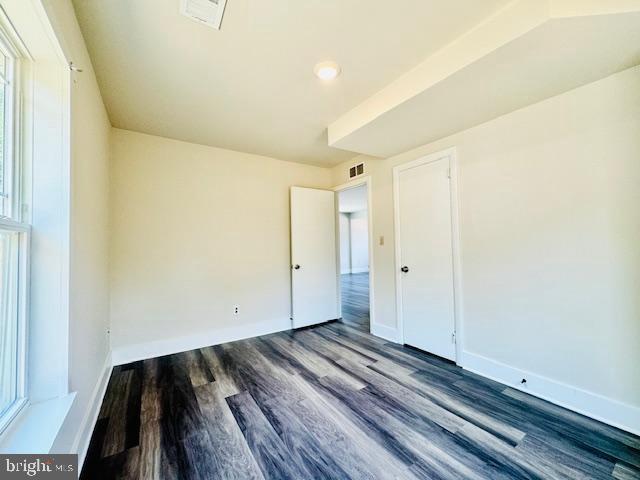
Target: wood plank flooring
(355,300)
(333,402)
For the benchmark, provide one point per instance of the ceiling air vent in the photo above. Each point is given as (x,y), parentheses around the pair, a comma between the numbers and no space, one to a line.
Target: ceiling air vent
(356,170)
(208,12)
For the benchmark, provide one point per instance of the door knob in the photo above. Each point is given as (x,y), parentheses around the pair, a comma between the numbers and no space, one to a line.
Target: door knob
(404,269)
(296,267)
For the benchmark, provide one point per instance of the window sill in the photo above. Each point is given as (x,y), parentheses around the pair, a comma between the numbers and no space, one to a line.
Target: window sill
(35,429)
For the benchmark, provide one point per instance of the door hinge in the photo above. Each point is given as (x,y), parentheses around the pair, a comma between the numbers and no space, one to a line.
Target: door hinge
(453,338)
(449,172)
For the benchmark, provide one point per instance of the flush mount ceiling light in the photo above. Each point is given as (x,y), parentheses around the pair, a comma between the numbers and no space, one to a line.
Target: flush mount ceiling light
(327,70)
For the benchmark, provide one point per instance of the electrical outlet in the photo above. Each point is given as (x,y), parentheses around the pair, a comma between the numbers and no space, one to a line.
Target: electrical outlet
(236,309)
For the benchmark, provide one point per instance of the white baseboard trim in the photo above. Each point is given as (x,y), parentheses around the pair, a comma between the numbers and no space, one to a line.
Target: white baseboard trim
(598,407)
(355,270)
(83,437)
(157,348)
(382,331)
(360,270)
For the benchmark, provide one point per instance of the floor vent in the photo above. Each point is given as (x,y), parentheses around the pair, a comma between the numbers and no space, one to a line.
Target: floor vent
(356,170)
(208,12)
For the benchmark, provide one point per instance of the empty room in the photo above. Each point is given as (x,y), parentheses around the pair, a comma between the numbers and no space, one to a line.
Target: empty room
(304,239)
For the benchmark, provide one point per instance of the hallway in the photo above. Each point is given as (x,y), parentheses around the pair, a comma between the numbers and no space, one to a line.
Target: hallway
(355,300)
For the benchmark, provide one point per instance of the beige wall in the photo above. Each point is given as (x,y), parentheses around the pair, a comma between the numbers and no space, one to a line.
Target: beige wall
(195,231)
(550,227)
(89,263)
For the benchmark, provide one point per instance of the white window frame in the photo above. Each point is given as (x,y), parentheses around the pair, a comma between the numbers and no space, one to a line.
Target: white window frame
(12,214)
(11,171)
(20,309)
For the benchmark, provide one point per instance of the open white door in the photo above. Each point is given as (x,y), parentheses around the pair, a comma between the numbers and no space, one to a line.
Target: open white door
(313,256)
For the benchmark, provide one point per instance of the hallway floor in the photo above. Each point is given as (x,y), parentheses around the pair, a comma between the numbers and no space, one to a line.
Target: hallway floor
(355,300)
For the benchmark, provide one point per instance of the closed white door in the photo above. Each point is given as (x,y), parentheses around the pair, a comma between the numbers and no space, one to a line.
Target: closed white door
(426,257)
(314,273)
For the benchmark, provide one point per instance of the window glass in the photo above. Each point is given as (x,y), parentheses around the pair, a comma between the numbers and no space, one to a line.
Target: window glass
(3,129)
(8,319)
(13,247)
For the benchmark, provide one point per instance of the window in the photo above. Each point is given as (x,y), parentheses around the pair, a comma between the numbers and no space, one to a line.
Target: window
(14,243)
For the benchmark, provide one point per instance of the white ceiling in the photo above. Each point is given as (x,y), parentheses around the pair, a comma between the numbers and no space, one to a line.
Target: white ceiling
(524,54)
(250,86)
(353,199)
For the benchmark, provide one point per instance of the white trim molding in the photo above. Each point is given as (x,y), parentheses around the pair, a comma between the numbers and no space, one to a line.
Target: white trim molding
(83,437)
(592,405)
(157,348)
(383,331)
(35,429)
(360,270)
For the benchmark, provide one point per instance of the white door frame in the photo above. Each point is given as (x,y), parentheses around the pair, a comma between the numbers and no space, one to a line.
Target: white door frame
(455,240)
(366,180)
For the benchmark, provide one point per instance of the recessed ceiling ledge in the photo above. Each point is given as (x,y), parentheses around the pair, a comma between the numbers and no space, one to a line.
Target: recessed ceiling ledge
(453,89)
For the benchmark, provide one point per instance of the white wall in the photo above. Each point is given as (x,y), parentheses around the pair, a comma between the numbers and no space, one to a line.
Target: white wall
(345,243)
(550,220)
(359,235)
(195,231)
(89,263)
(354,242)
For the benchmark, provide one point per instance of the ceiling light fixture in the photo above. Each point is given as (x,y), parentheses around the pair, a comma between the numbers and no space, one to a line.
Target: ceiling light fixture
(327,70)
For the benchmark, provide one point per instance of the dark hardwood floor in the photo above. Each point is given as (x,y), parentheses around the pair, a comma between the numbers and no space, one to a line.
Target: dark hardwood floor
(334,402)
(355,300)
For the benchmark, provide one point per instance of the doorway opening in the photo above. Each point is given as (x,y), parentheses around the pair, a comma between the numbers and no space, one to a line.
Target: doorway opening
(354,255)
